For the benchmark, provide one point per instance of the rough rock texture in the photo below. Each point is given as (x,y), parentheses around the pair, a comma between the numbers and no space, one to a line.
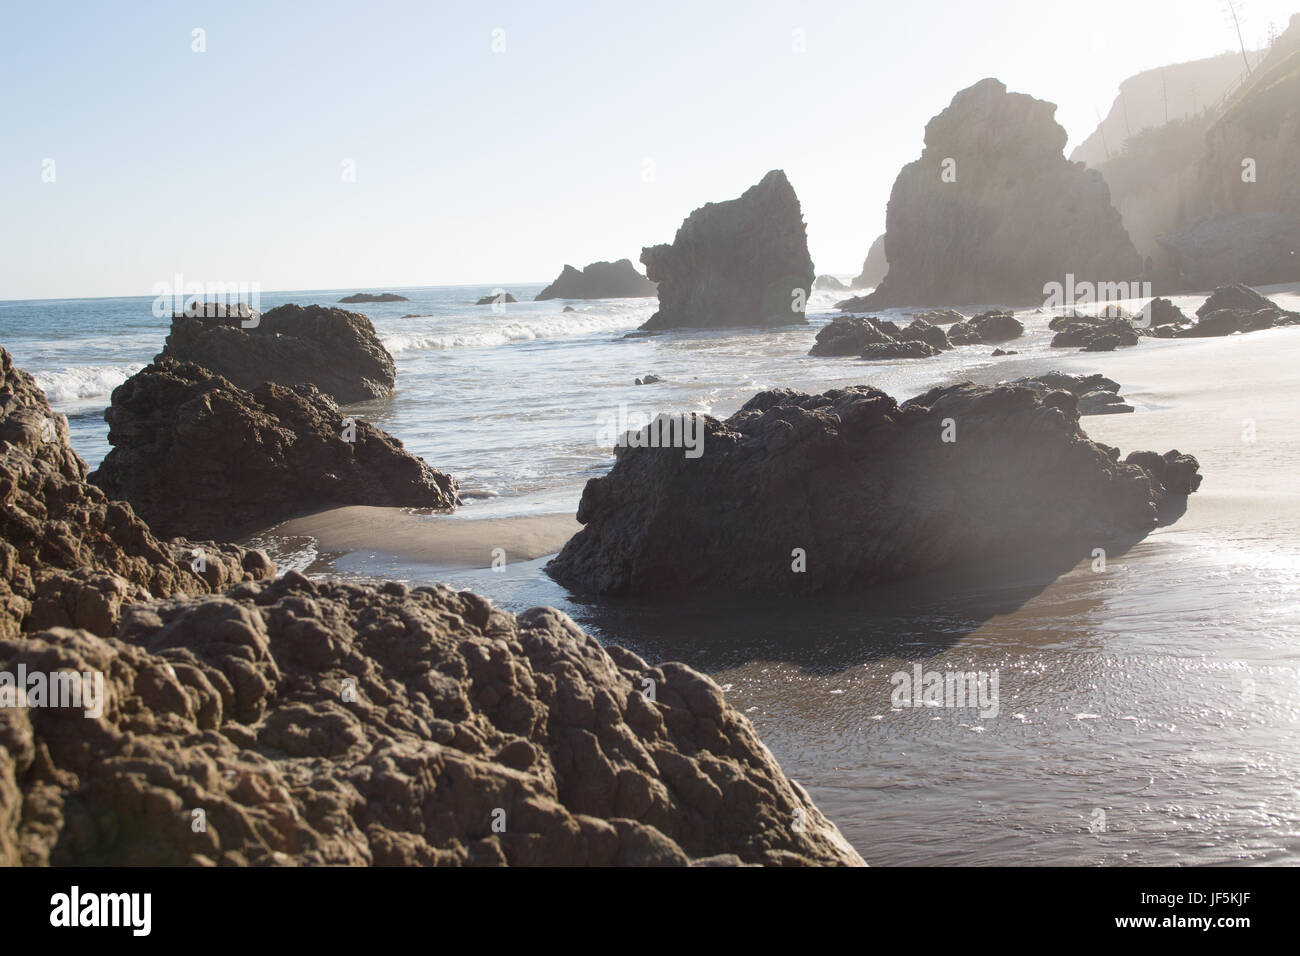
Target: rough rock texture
(68,555)
(1017,216)
(196,455)
(600,280)
(1097,394)
(1229,309)
(357,297)
(874,266)
(1177,473)
(500,298)
(1260,248)
(868,489)
(912,348)
(986,328)
(333,349)
(1095,335)
(742,262)
(873,338)
(339,724)
(941,316)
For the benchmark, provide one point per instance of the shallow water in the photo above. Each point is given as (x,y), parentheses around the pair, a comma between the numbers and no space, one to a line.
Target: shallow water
(1146,714)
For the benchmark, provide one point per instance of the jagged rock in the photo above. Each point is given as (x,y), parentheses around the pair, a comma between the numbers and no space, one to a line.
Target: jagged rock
(828,284)
(1016,216)
(500,298)
(68,555)
(997,353)
(568,308)
(196,455)
(649,380)
(335,350)
(849,335)
(874,266)
(922,331)
(1102,335)
(868,489)
(743,262)
(1177,473)
(1161,314)
(357,297)
(1237,296)
(1096,394)
(913,348)
(328,724)
(600,280)
(986,328)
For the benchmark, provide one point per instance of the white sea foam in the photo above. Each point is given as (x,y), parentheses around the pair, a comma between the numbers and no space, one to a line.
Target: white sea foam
(68,385)
(524,330)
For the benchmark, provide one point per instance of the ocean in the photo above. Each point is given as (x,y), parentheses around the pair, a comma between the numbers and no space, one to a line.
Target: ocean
(1147,715)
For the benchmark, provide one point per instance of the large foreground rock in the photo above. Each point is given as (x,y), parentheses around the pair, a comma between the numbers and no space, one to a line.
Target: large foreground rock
(196,455)
(600,280)
(333,349)
(742,262)
(857,490)
(1010,215)
(301,723)
(68,555)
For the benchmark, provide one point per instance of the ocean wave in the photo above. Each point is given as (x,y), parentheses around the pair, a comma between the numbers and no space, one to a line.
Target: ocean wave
(528,330)
(83,382)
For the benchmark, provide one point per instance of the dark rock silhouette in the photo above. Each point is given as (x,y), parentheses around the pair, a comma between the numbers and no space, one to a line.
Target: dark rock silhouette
(909,349)
(828,283)
(1229,309)
(986,328)
(1097,394)
(1096,335)
(335,350)
(803,494)
(357,297)
(600,280)
(499,299)
(196,455)
(328,724)
(992,211)
(873,338)
(874,266)
(743,262)
(70,556)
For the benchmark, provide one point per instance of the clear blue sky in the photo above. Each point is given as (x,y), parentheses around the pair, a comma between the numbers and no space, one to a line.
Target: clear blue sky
(475,166)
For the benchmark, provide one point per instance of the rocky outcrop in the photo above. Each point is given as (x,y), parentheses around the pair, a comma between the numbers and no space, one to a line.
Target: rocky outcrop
(827,283)
(1229,309)
(1097,394)
(802,494)
(600,280)
(986,328)
(327,724)
(357,297)
(500,298)
(196,455)
(335,350)
(69,556)
(874,266)
(1095,335)
(1258,248)
(992,211)
(873,338)
(743,262)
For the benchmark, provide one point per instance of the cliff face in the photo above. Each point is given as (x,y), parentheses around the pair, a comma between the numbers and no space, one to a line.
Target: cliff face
(742,262)
(600,280)
(874,266)
(992,210)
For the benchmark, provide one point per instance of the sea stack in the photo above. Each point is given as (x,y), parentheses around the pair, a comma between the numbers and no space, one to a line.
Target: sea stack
(992,211)
(599,280)
(743,262)
(335,350)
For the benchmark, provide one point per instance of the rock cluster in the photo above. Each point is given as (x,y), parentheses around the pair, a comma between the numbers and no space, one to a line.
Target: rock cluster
(743,262)
(872,338)
(992,211)
(802,494)
(1095,334)
(600,280)
(987,328)
(335,350)
(70,557)
(1097,394)
(194,454)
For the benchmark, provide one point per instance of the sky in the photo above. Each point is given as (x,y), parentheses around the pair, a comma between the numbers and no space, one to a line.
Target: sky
(495,142)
